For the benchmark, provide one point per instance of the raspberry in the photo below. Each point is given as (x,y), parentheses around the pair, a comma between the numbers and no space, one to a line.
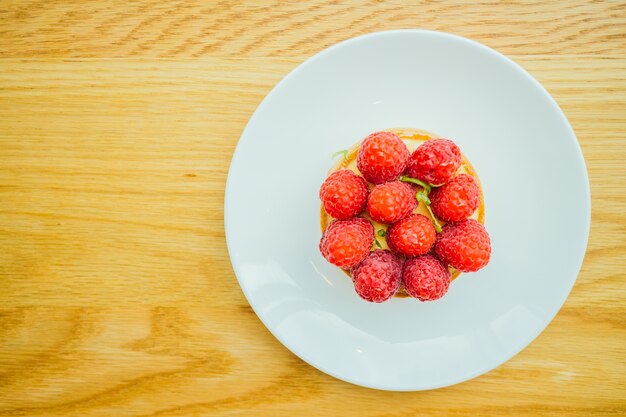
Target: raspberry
(456,200)
(391,201)
(412,236)
(345,243)
(382,157)
(435,161)
(344,194)
(425,278)
(465,245)
(378,277)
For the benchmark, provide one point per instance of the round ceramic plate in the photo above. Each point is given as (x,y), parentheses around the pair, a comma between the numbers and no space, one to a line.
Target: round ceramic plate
(537,208)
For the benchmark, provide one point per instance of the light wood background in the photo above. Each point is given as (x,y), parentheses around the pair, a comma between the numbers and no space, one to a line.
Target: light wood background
(117,124)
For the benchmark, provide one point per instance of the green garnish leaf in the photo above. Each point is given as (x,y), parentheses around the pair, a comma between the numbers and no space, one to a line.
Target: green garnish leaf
(382,233)
(423,197)
(434,219)
(427,187)
(343,152)
(377,243)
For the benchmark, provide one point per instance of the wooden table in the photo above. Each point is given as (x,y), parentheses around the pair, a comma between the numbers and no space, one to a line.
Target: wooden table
(118,122)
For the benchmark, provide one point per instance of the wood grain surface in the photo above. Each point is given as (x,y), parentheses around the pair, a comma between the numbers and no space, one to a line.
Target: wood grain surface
(117,124)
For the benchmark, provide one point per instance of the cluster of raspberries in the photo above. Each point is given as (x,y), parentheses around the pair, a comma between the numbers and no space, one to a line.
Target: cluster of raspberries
(393,182)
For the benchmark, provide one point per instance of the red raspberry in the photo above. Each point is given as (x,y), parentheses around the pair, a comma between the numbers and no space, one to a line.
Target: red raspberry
(391,201)
(345,243)
(382,157)
(456,200)
(465,245)
(435,161)
(378,277)
(425,278)
(412,236)
(344,194)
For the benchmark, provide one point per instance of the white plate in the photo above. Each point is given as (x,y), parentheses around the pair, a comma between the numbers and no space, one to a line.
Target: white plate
(536,200)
